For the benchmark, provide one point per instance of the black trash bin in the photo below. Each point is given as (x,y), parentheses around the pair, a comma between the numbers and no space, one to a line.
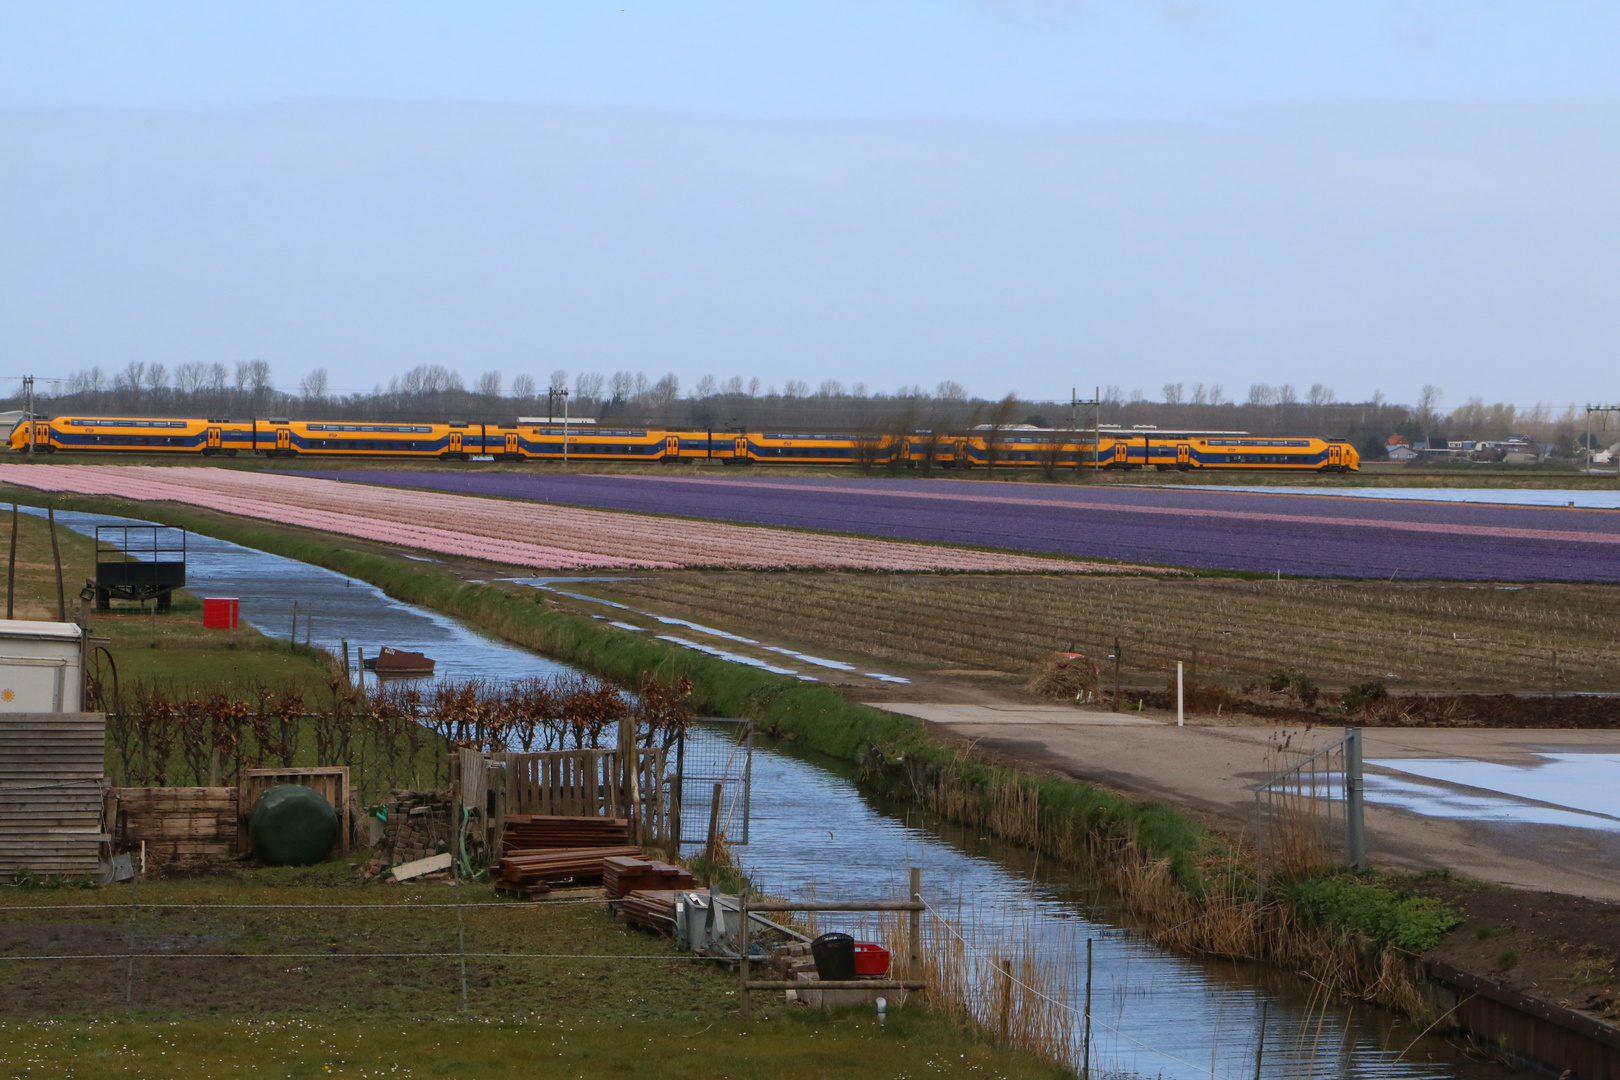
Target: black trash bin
(835,957)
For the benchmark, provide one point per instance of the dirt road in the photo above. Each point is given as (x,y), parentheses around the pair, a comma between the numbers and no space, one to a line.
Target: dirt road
(1413,822)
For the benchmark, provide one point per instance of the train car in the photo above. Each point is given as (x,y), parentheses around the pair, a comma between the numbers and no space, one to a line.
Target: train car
(803,448)
(1186,451)
(155,435)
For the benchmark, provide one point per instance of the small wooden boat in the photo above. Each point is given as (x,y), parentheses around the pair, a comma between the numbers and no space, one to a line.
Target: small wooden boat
(392,661)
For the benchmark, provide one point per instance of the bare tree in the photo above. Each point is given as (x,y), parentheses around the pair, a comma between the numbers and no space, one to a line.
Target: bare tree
(157,377)
(190,378)
(858,390)
(1262,394)
(488,384)
(947,390)
(523,387)
(1001,414)
(1137,397)
(830,388)
(253,377)
(753,387)
(1428,399)
(1286,395)
(131,378)
(89,381)
(795,388)
(559,379)
(426,379)
(666,390)
(312,387)
(705,387)
(588,387)
(623,385)
(732,387)
(1215,396)
(1200,396)
(1172,393)
(218,377)
(1320,395)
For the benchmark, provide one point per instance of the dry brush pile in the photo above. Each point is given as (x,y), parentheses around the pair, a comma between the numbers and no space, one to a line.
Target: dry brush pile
(1438,636)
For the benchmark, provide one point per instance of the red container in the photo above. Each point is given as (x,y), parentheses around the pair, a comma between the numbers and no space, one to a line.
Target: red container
(871,959)
(220,613)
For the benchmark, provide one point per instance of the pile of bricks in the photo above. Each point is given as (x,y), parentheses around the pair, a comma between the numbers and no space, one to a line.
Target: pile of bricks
(418,826)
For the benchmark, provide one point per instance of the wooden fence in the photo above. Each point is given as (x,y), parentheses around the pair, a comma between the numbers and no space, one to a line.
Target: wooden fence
(585,783)
(53,794)
(179,825)
(331,781)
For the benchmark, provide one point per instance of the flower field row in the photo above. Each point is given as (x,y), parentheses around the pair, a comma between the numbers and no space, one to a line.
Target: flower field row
(1318,535)
(524,534)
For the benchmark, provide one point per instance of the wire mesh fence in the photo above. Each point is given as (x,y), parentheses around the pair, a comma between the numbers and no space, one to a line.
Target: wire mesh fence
(716,751)
(1308,815)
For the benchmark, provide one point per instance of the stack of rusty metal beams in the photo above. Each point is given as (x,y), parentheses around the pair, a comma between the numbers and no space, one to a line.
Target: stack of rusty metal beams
(528,832)
(532,872)
(624,874)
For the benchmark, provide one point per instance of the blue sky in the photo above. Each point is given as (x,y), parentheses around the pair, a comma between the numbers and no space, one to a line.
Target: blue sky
(1023,195)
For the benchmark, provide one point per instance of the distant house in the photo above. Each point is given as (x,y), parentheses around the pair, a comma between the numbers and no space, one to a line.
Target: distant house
(1400,452)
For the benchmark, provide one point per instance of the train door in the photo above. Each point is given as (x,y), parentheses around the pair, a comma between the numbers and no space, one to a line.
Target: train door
(672,447)
(1183,456)
(1335,457)
(283,440)
(213,440)
(42,437)
(512,444)
(455,442)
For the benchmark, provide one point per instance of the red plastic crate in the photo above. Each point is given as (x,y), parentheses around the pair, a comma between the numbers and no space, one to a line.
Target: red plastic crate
(220,613)
(871,959)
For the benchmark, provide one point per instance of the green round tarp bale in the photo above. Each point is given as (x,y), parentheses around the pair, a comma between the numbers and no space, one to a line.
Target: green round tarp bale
(292,826)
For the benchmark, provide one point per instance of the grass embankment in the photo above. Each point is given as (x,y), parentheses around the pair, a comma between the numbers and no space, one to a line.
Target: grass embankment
(172,648)
(1191,887)
(587,997)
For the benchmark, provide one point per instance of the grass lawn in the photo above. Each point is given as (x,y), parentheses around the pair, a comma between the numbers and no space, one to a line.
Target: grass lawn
(588,997)
(173,648)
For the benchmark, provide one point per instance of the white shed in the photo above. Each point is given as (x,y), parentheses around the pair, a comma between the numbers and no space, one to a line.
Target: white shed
(41,667)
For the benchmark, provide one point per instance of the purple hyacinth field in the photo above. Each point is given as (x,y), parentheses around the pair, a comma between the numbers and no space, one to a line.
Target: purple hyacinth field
(1310,535)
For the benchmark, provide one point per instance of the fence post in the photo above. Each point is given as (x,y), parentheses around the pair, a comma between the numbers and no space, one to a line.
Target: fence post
(1181,712)
(677,794)
(710,852)
(1355,825)
(914,929)
(742,948)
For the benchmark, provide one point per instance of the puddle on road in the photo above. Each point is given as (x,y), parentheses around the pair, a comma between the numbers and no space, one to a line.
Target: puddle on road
(1572,789)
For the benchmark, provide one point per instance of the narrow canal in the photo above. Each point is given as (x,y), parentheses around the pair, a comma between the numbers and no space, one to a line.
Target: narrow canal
(1156,1013)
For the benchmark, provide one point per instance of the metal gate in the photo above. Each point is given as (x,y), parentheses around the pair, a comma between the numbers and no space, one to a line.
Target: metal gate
(1310,815)
(715,751)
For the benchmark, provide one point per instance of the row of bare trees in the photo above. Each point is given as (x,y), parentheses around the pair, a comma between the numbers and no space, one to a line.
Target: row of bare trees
(398,735)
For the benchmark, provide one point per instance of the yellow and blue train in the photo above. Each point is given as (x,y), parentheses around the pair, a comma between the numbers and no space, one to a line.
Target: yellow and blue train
(1111,448)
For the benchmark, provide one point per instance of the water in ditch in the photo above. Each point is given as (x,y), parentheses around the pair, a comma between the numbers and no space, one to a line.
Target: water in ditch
(1156,1013)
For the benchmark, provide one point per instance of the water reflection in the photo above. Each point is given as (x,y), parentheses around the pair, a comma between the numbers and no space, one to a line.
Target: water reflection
(1154,1012)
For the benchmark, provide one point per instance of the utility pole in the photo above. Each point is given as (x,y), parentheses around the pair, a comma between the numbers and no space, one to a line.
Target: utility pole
(563,393)
(1606,410)
(1075,401)
(28,413)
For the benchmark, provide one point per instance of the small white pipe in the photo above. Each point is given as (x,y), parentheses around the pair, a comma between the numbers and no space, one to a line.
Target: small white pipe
(1181,713)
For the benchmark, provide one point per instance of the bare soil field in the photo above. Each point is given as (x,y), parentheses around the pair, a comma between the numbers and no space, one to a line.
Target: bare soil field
(1419,636)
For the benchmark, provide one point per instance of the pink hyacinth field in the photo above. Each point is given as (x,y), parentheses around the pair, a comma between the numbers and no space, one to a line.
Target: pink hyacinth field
(523,534)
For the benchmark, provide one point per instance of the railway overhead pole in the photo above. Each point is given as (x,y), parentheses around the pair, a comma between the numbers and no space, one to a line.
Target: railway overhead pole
(1606,411)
